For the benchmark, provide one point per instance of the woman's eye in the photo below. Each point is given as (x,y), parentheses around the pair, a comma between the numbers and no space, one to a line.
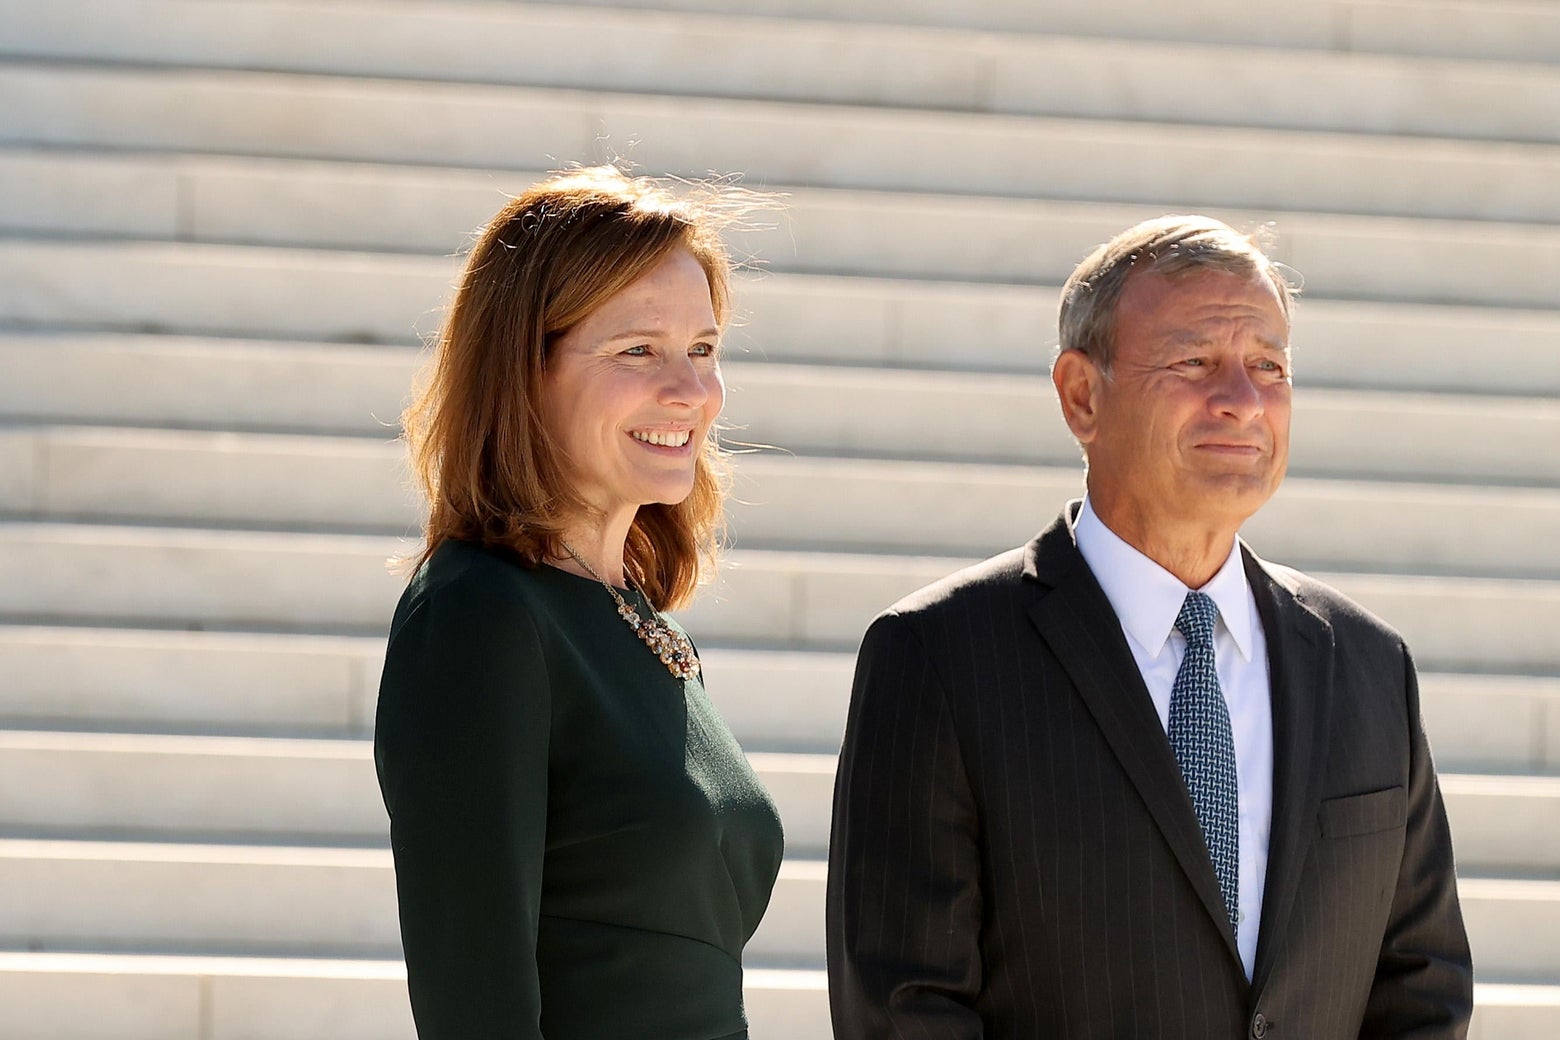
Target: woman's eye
(703,350)
(640,350)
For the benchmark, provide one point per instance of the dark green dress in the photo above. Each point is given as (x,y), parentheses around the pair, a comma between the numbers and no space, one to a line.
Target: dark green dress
(581,849)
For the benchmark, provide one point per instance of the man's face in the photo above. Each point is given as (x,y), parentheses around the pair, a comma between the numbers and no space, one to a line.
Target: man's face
(1192,427)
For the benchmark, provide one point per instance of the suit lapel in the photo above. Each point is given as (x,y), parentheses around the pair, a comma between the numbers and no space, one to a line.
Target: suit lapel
(1077,622)
(1300,658)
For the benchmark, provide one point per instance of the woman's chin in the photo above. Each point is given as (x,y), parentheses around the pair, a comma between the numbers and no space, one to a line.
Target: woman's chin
(666,493)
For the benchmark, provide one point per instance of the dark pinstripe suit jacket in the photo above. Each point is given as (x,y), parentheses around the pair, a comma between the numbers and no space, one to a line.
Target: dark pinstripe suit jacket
(1015,854)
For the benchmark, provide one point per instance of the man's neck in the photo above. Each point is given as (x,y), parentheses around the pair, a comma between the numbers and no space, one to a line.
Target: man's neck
(1191,551)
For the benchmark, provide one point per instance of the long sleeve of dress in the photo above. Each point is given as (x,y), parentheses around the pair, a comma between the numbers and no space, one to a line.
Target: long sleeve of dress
(461,746)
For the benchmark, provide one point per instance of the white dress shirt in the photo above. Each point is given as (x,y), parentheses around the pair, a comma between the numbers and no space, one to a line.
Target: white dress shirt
(1147,598)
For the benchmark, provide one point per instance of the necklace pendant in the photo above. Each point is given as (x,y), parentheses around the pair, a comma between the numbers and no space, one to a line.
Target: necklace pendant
(674,649)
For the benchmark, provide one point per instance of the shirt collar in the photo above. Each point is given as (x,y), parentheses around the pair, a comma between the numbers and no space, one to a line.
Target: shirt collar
(1147,598)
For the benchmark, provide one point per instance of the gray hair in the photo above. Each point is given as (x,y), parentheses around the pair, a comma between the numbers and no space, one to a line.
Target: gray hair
(1170,246)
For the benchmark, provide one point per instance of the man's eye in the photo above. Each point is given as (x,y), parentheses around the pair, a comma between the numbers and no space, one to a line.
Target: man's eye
(641,350)
(1195,362)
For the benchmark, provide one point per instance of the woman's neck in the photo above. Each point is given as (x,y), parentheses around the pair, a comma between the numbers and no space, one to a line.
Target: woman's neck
(598,543)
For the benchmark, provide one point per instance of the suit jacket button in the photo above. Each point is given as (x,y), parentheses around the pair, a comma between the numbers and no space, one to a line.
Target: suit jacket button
(1259,1027)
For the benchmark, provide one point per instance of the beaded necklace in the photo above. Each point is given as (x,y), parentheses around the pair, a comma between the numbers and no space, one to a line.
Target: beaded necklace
(673,647)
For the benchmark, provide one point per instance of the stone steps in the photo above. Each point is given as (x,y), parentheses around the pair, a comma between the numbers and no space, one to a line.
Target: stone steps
(139,996)
(222,682)
(1511,927)
(354,297)
(254,683)
(184,730)
(236,899)
(290,581)
(63,783)
(408,209)
(1509,31)
(313,482)
(1517,1012)
(182,787)
(310,686)
(728,55)
(774,142)
(854,505)
(872,412)
(239,899)
(1014,418)
(151,996)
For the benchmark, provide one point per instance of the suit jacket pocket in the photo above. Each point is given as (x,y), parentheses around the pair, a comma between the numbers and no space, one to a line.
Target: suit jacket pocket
(1363,813)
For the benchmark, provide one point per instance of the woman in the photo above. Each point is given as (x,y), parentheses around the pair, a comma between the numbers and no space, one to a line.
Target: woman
(581,849)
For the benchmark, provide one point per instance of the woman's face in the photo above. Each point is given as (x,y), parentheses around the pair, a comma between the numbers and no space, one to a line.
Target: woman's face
(632,390)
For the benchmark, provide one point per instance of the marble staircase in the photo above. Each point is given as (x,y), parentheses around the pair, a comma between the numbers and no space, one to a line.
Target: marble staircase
(226,224)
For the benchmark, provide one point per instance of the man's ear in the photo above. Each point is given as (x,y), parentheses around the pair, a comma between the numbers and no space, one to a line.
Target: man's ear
(1077,380)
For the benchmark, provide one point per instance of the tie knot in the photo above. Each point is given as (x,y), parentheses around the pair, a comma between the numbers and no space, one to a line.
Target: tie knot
(1196,619)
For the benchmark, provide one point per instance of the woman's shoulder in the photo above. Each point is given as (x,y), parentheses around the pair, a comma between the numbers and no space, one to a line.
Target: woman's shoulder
(457,562)
(469,578)
(466,655)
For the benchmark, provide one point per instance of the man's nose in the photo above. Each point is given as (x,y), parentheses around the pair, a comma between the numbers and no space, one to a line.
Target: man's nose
(1236,394)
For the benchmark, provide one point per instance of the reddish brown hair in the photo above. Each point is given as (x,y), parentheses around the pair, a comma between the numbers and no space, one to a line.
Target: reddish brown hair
(479,449)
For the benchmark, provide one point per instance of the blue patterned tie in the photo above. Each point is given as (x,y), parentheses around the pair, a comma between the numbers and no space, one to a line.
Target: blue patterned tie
(1204,746)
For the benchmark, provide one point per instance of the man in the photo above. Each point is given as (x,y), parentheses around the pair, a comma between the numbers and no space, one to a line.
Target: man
(1078,798)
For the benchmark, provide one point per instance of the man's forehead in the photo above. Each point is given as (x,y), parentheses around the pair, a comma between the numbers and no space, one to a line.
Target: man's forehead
(1200,280)
(1209,296)
(1219,328)
(1249,339)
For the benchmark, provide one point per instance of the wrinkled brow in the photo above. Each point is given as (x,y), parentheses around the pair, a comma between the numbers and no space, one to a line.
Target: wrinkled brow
(709,333)
(1187,338)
